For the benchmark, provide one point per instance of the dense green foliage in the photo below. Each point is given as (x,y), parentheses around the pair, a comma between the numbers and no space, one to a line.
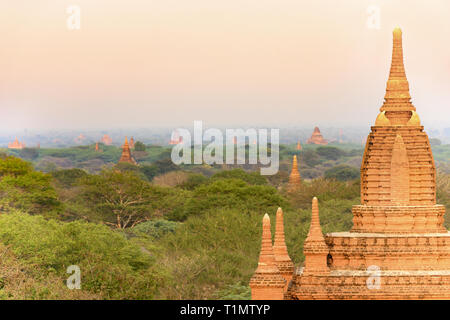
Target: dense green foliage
(110,265)
(342,172)
(139,146)
(155,229)
(234,194)
(250,177)
(23,188)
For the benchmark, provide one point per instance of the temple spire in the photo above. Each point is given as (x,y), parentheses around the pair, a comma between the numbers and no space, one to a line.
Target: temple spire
(294,177)
(397,97)
(315,249)
(266,258)
(267,282)
(315,231)
(126,153)
(397,66)
(282,258)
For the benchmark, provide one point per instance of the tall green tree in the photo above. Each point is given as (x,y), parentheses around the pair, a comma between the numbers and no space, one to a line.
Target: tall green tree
(24,188)
(122,198)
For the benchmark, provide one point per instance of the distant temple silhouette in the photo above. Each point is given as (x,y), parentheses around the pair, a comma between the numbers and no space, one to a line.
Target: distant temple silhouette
(317,138)
(175,138)
(16,144)
(294,177)
(106,140)
(126,153)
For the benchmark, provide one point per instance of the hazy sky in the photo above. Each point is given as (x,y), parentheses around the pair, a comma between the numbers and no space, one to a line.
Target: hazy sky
(168,62)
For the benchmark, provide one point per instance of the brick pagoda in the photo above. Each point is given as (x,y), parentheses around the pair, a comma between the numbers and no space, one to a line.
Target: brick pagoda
(294,178)
(126,153)
(16,144)
(398,247)
(317,138)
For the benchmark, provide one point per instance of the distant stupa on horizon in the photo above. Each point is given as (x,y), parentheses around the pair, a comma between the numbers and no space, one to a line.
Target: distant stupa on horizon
(294,178)
(16,144)
(317,138)
(106,140)
(175,138)
(126,153)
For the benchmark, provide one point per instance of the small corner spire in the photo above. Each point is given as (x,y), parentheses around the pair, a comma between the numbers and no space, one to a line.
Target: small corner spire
(315,249)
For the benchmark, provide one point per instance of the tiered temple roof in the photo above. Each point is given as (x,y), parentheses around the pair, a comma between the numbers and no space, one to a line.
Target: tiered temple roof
(398,247)
(317,138)
(126,153)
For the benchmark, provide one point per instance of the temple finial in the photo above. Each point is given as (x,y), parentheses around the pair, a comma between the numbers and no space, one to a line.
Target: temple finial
(397,102)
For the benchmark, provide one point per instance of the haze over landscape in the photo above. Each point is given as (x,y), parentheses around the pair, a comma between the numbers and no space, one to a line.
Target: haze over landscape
(105,195)
(168,63)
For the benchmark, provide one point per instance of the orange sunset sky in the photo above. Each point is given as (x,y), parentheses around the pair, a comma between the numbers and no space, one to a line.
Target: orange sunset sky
(150,63)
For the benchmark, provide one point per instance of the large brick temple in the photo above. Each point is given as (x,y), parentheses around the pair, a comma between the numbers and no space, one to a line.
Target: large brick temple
(398,247)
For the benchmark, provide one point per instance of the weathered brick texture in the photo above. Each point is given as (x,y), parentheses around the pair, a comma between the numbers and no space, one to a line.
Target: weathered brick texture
(398,247)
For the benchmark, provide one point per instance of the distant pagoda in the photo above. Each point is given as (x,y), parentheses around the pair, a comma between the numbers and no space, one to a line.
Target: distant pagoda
(175,138)
(126,153)
(80,139)
(16,144)
(317,138)
(132,143)
(294,178)
(398,247)
(299,146)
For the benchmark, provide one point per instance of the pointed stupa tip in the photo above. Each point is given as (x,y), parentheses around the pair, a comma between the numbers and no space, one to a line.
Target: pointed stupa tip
(266,220)
(397,97)
(279,212)
(315,208)
(397,31)
(315,231)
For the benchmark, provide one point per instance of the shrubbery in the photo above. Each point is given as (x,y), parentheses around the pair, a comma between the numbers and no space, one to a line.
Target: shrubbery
(234,194)
(110,265)
(342,172)
(23,188)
